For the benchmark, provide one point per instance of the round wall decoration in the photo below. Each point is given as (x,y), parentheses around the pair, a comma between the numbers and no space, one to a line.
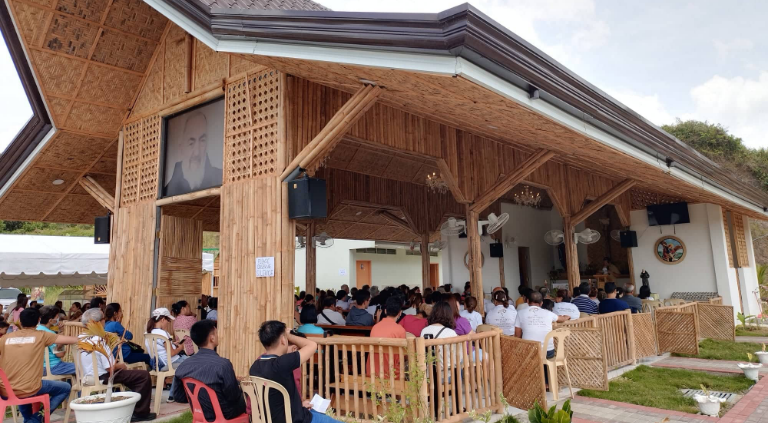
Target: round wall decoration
(670,249)
(466,259)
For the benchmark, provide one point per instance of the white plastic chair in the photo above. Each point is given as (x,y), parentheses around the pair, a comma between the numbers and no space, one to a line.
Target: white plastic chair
(558,360)
(132,366)
(150,341)
(87,387)
(257,390)
(49,375)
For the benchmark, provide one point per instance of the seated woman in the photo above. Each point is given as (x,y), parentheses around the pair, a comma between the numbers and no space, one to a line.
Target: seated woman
(161,323)
(645,293)
(308,319)
(463,326)
(415,304)
(184,319)
(114,316)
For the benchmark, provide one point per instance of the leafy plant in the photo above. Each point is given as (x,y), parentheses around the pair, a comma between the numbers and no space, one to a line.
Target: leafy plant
(744,318)
(97,340)
(538,415)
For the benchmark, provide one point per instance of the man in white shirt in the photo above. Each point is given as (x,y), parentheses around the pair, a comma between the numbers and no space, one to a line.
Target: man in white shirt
(329,315)
(564,308)
(502,315)
(136,380)
(534,323)
(342,300)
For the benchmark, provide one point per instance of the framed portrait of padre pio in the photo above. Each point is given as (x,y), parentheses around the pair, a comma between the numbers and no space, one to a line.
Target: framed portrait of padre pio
(670,250)
(194,149)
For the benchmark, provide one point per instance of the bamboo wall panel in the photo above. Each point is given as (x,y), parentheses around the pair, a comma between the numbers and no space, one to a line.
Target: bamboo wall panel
(251,226)
(716,321)
(209,66)
(131,263)
(677,331)
(141,161)
(618,338)
(585,352)
(644,332)
(522,373)
(181,262)
(728,246)
(740,236)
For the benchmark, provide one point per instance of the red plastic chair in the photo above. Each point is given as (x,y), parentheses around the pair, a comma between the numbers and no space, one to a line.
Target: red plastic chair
(197,410)
(13,400)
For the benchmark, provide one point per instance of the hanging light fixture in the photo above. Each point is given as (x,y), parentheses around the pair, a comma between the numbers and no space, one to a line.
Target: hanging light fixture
(528,197)
(436,183)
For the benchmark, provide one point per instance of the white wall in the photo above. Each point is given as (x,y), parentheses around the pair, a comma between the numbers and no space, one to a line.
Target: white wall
(696,273)
(724,274)
(393,270)
(330,262)
(748,276)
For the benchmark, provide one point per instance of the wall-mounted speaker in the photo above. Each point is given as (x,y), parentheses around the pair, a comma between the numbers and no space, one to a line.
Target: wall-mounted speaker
(497,250)
(628,239)
(101,230)
(306,199)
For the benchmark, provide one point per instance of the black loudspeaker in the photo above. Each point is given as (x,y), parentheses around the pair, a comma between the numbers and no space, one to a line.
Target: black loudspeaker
(628,239)
(101,230)
(497,250)
(306,199)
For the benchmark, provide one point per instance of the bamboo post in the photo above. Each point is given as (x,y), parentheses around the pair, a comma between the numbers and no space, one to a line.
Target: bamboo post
(501,272)
(421,361)
(425,276)
(475,261)
(571,254)
(497,367)
(311,267)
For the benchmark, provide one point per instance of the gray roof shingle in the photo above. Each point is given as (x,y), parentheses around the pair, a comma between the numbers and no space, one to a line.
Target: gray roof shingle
(265,4)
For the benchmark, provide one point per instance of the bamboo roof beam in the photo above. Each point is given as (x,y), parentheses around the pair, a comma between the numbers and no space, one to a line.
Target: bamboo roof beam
(397,221)
(450,180)
(600,201)
(509,181)
(334,130)
(98,192)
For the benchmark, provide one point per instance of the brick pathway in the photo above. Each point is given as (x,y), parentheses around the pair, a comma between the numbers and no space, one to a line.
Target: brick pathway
(720,366)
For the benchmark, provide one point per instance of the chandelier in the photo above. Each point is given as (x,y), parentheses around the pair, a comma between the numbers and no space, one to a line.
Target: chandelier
(436,183)
(528,197)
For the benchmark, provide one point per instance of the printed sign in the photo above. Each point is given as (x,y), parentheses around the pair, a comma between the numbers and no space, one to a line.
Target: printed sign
(342,272)
(265,267)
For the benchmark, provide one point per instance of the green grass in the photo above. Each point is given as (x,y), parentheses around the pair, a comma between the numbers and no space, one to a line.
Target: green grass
(751,331)
(712,349)
(184,418)
(660,388)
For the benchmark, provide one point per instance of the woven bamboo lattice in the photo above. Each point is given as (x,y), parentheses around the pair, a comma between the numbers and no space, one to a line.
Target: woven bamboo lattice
(585,352)
(642,198)
(727,231)
(677,332)
(740,237)
(522,372)
(644,332)
(250,148)
(141,152)
(716,322)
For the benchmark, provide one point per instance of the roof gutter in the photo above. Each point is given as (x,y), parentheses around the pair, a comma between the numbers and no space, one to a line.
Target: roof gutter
(451,44)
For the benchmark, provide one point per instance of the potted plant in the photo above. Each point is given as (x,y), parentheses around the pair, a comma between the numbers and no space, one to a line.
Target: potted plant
(540,415)
(103,407)
(708,404)
(751,370)
(762,356)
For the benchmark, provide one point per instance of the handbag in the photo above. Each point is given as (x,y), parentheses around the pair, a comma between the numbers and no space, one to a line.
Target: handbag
(135,348)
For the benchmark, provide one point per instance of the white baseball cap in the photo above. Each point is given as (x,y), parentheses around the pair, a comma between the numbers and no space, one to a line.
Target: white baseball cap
(160,312)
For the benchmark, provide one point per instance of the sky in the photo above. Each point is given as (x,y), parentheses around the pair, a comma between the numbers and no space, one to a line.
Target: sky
(665,59)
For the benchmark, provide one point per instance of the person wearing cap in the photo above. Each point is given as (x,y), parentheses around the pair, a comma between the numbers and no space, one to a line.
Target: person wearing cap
(161,323)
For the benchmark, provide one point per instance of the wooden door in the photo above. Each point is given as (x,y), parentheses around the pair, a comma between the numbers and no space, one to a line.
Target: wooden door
(363,273)
(434,275)
(524,263)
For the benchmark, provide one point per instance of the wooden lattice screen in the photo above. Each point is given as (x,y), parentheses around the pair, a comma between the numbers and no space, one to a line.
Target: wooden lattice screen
(645,335)
(728,247)
(585,351)
(522,372)
(677,331)
(250,147)
(181,241)
(716,322)
(740,236)
(141,153)
(641,199)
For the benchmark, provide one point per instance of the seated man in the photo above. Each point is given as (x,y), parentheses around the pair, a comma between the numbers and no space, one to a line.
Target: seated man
(49,317)
(611,303)
(285,352)
(387,328)
(342,300)
(136,380)
(534,323)
(214,371)
(583,302)
(21,356)
(358,315)
(629,297)
(563,308)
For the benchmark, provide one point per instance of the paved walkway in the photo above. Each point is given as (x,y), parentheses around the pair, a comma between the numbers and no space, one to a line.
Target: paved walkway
(754,339)
(720,366)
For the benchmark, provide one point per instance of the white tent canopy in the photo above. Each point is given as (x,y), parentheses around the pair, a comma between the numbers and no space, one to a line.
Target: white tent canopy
(38,260)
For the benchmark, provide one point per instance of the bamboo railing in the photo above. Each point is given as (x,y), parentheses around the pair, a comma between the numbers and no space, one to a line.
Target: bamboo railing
(442,379)
(618,335)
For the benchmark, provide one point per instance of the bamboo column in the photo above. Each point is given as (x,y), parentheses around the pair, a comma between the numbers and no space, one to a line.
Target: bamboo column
(425,281)
(571,254)
(311,259)
(475,259)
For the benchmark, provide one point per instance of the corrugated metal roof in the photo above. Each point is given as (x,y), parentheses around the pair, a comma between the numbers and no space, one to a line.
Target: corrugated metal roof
(265,4)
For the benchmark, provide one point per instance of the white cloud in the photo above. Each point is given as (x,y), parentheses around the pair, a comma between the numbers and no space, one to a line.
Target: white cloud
(647,106)
(726,48)
(738,103)
(14,107)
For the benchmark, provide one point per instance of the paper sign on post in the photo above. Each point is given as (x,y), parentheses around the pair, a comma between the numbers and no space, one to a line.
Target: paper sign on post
(265,267)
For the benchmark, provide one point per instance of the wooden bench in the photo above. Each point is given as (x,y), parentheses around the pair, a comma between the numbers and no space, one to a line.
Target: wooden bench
(347,330)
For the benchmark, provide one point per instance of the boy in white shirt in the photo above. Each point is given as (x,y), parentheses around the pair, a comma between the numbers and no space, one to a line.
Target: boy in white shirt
(534,323)
(469,313)
(565,308)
